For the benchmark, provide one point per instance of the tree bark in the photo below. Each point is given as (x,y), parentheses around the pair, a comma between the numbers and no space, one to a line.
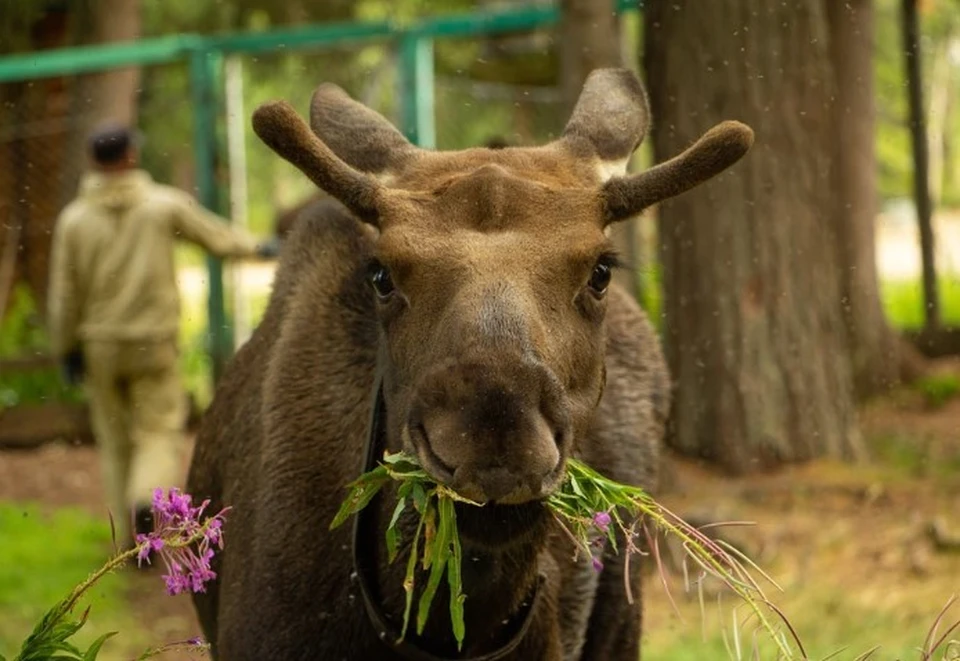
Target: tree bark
(46,123)
(755,337)
(590,39)
(34,116)
(114,92)
(875,349)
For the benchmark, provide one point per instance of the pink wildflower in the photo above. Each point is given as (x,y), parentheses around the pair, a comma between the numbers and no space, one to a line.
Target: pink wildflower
(602,521)
(182,541)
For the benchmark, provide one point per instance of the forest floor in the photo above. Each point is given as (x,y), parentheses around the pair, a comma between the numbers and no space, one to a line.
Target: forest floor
(851,546)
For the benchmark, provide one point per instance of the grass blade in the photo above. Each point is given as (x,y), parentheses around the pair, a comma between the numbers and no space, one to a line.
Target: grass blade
(393,535)
(455,576)
(408,581)
(94,649)
(439,553)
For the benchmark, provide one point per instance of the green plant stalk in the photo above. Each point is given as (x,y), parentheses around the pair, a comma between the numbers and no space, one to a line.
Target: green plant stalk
(584,493)
(173,647)
(55,615)
(702,550)
(742,584)
(43,632)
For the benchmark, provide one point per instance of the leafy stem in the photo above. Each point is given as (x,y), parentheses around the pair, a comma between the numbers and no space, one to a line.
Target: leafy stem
(590,509)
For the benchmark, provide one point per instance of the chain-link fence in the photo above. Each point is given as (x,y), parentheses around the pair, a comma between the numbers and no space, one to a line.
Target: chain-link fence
(44,126)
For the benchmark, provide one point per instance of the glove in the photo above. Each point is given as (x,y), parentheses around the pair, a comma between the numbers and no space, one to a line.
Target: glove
(73,367)
(268,249)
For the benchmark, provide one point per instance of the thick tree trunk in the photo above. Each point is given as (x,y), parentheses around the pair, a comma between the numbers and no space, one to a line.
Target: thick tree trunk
(875,350)
(755,337)
(590,39)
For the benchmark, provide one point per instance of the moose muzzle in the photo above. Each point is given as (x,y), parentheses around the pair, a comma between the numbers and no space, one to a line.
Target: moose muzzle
(493,428)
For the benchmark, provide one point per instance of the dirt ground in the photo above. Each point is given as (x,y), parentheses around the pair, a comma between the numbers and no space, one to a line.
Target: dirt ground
(838,523)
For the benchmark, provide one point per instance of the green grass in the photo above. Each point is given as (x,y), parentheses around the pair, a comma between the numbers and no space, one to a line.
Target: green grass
(916,457)
(42,557)
(903,301)
(23,335)
(826,619)
(938,389)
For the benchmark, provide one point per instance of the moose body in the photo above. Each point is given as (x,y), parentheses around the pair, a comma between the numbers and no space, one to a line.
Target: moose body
(471,290)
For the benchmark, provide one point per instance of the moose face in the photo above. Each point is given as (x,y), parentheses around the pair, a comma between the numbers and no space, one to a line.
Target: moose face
(491,293)
(491,271)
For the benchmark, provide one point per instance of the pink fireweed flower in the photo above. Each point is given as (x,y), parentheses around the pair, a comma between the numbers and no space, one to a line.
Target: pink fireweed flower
(183,542)
(602,521)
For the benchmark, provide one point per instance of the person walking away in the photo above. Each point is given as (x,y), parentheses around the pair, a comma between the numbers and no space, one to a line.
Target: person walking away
(114,315)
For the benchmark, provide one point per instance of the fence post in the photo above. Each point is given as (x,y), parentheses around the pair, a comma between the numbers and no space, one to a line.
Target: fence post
(416,89)
(203,82)
(237,172)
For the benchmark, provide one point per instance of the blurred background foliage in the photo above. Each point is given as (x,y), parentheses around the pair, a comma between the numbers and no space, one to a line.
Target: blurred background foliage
(473,107)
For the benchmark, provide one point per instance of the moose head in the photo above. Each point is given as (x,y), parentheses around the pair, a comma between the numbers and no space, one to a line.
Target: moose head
(491,272)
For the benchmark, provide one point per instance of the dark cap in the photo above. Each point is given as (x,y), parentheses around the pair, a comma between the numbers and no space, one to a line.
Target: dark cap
(110,141)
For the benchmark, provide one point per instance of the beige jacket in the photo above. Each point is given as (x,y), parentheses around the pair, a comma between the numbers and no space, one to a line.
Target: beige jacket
(112,264)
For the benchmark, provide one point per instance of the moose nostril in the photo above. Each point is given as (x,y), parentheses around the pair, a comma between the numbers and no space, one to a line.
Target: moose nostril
(425,446)
(558,437)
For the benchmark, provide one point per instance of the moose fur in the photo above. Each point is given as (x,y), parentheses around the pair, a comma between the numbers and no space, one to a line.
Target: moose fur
(490,253)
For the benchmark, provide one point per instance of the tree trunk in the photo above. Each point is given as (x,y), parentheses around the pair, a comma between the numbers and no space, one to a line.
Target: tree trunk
(46,123)
(755,337)
(921,185)
(590,39)
(34,129)
(114,93)
(875,350)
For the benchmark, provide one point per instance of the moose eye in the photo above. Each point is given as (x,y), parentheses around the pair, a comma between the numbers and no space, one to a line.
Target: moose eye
(381,280)
(600,278)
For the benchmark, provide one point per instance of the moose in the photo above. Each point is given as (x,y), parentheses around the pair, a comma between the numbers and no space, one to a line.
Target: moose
(457,306)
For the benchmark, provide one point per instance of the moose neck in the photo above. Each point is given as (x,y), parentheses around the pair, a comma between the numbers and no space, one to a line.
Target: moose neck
(502,585)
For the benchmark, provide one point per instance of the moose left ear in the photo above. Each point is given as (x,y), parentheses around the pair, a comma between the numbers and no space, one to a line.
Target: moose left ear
(609,121)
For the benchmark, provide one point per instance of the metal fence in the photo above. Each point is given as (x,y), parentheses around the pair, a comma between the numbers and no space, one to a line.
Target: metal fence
(197,95)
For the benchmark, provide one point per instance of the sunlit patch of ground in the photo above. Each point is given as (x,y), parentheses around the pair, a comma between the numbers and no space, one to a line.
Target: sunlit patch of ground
(853,548)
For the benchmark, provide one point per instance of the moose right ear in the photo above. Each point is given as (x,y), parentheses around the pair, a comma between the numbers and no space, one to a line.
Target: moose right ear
(609,121)
(715,151)
(362,137)
(285,132)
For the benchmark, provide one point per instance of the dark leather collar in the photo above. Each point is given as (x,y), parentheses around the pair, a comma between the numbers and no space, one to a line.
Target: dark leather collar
(363,563)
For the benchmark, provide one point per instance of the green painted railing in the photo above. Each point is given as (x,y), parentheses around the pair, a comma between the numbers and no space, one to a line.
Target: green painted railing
(160,50)
(205,57)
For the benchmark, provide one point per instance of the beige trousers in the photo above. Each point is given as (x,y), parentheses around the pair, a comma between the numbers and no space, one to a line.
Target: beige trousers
(138,410)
